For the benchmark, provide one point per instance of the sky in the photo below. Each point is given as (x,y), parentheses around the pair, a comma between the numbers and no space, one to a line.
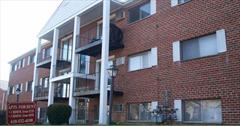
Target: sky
(20,23)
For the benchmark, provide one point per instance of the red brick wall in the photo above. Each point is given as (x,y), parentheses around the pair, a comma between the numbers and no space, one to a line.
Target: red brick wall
(22,76)
(206,78)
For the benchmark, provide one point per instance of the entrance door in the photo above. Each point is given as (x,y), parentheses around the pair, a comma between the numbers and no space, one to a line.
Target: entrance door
(82,110)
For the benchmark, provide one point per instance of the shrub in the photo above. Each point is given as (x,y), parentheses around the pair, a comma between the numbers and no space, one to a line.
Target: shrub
(59,114)
(2,117)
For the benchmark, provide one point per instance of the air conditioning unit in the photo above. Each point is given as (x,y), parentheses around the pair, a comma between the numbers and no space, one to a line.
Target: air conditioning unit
(120,15)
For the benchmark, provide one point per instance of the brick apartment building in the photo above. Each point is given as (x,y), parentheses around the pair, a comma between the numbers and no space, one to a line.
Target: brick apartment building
(184,50)
(3,94)
(21,77)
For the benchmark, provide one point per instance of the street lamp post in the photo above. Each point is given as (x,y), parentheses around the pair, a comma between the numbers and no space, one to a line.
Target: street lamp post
(18,91)
(112,71)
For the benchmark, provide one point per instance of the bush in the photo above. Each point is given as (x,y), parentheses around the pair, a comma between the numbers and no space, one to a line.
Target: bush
(3,117)
(59,114)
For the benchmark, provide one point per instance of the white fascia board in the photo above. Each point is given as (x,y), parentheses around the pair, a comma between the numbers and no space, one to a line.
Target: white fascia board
(62,77)
(70,18)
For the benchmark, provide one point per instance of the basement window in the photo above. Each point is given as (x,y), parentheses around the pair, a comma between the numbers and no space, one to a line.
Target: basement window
(139,112)
(118,108)
(203,111)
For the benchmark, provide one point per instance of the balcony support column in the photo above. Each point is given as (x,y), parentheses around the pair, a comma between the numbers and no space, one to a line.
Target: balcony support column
(105,54)
(35,72)
(74,65)
(53,66)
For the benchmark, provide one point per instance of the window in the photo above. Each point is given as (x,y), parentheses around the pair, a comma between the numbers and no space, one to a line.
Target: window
(19,64)
(14,67)
(139,61)
(48,52)
(23,62)
(118,108)
(44,82)
(140,112)
(42,114)
(206,111)
(83,64)
(66,50)
(139,12)
(29,86)
(11,90)
(199,47)
(182,1)
(19,86)
(32,59)
(176,2)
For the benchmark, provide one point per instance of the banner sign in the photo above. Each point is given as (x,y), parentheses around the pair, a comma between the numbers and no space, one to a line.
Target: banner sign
(21,113)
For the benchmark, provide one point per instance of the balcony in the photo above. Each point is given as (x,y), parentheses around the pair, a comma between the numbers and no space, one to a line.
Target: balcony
(61,92)
(90,89)
(91,44)
(41,93)
(44,61)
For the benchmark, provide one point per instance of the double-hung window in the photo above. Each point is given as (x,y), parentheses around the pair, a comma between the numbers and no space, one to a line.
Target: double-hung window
(139,61)
(143,60)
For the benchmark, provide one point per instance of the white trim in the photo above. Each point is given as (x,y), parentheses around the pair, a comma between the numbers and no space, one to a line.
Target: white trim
(26,86)
(62,77)
(29,58)
(154,56)
(87,69)
(178,106)
(221,41)
(23,62)
(38,114)
(70,18)
(110,58)
(154,105)
(174,3)
(176,51)
(153,6)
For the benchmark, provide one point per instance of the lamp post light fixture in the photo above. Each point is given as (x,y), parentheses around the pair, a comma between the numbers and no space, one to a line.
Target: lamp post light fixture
(18,91)
(112,71)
